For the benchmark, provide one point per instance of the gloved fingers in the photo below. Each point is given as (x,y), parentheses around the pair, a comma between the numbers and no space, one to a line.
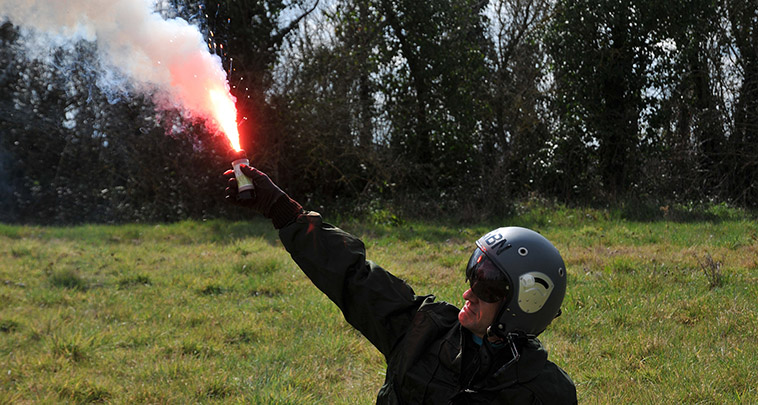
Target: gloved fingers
(265,195)
(231,186)
(251,172)
(259,178)
(231,183)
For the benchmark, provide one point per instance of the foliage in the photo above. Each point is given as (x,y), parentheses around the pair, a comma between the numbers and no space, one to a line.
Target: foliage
(601,56)
(425,108)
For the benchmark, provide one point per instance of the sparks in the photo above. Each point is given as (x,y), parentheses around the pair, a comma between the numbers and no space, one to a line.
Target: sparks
(225,113)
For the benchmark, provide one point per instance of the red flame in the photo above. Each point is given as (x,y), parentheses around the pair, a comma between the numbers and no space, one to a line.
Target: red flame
(224,111)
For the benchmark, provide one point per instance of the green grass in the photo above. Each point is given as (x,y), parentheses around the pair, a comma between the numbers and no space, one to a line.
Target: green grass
(216,312)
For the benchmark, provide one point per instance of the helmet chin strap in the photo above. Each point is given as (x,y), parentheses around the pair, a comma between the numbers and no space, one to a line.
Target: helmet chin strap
(508,339)
(497,329)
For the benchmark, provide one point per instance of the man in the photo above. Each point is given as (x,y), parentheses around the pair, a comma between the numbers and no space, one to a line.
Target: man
(486,352)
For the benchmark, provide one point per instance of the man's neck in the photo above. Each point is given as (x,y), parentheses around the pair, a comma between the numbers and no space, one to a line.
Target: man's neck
(494,341)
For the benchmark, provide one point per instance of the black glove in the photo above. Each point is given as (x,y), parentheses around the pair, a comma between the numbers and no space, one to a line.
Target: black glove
(266,192)
(268,199)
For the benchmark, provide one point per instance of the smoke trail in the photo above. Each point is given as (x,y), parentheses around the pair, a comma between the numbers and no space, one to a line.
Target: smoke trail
(167,58)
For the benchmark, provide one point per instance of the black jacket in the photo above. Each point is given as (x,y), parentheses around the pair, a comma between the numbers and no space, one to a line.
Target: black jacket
(430,358)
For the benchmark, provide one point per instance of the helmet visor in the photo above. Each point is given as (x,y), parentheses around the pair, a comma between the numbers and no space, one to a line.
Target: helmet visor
(487,281)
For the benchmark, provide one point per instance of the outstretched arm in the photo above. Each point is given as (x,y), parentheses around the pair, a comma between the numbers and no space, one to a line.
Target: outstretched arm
(378,304)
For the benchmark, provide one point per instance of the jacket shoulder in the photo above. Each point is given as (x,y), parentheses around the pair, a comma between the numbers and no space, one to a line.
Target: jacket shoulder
(443,313)
(553,386)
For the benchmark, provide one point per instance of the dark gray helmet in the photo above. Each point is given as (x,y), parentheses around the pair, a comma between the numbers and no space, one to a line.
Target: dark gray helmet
(531,281)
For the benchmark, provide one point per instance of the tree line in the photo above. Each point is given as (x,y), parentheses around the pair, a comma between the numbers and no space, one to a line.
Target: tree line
(434,107)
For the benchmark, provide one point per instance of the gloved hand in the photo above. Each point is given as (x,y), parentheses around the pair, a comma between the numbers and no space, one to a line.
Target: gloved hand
(266,192)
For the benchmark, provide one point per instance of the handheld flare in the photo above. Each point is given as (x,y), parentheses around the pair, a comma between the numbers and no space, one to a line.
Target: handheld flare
(245,188)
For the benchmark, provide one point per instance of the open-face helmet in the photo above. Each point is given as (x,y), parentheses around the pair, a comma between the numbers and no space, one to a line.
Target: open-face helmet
(525,273)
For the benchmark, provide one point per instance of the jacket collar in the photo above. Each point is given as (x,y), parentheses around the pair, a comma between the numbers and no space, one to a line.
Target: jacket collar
(532,357)
(531,361)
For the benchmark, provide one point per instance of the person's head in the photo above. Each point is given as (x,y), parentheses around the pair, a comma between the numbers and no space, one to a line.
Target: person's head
(517,284)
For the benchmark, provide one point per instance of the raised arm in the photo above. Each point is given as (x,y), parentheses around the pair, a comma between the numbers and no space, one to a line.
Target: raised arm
(378,304)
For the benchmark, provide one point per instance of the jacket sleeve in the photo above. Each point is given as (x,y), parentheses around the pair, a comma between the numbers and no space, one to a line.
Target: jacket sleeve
(378,304)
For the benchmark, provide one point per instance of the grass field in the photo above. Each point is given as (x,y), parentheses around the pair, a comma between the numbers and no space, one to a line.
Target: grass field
(203,312)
